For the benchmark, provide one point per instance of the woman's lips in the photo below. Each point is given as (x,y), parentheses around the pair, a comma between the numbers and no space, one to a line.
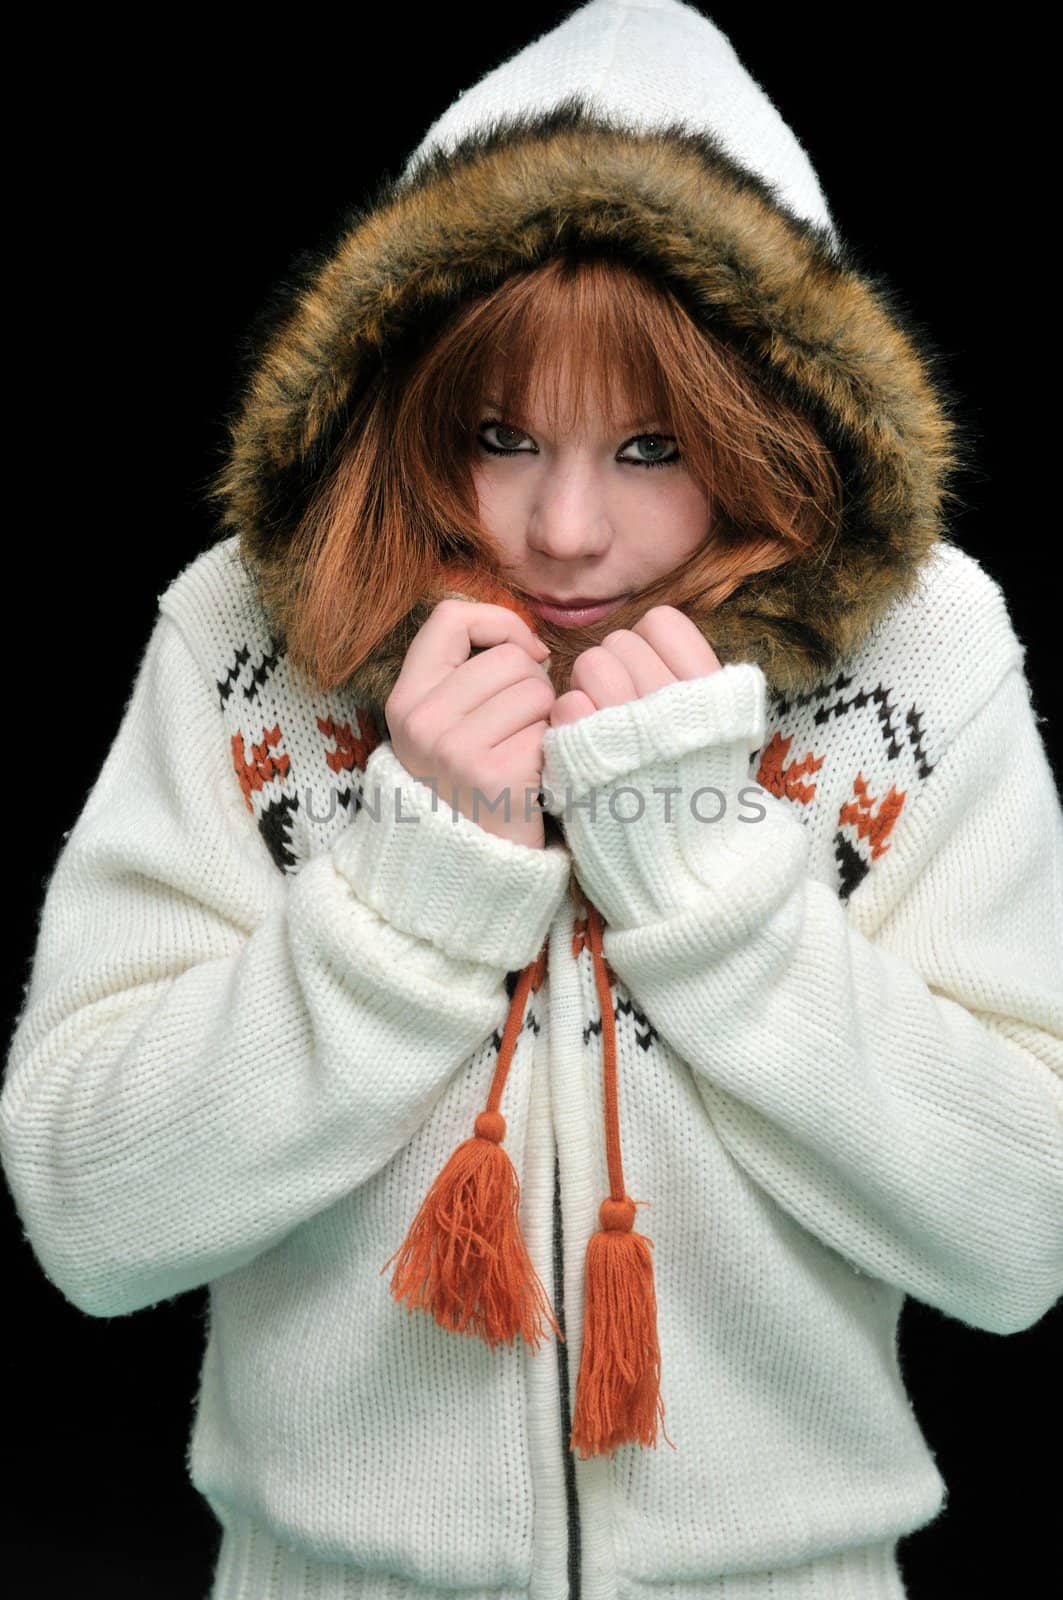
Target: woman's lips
(574,616)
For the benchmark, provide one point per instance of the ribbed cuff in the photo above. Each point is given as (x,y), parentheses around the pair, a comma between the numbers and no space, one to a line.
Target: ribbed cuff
(657,797)
(439,876)
(720,708)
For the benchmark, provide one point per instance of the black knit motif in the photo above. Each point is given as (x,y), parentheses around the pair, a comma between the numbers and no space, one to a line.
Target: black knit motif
(259,674)
(274,825)
(642,1029)
(829,701)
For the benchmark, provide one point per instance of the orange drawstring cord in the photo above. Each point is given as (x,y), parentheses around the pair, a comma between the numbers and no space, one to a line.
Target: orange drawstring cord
(464,1259)
(618,1398)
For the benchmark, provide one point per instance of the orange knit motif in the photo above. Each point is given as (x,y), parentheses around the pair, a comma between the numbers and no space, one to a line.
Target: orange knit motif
(354,749)
(263,767)
(877,827)
(785,780)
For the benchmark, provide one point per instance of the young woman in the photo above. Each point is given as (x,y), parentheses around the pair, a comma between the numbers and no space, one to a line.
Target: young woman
(421,928)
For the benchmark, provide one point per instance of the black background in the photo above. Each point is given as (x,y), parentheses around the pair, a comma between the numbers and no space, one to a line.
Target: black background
(177,173)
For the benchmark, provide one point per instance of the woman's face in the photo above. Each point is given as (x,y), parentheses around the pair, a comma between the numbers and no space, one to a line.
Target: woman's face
(600,513)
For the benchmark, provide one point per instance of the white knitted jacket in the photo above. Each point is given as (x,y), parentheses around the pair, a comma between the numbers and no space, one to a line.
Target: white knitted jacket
(248,1049)
(271,971)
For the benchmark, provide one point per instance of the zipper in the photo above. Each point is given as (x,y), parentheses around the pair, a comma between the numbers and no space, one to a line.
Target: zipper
(571,1499)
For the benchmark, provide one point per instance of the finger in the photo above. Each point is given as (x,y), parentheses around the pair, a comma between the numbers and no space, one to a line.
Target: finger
(448,637)
(490,695)
(678,641)
(636,653)
(603,677)
(496,719)
(523,751)
(570,707)
(473,683)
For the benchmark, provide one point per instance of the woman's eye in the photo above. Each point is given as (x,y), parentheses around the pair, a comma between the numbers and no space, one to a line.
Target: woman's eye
(658,443)
(506,437)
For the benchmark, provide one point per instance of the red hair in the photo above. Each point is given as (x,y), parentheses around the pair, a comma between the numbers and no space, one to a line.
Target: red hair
(395,518)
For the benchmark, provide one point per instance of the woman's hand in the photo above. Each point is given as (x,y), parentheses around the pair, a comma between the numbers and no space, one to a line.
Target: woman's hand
(471,728)
(632,662)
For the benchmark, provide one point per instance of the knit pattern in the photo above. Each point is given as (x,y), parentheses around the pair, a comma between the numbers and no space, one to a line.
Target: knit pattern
(846,758)
(892,739)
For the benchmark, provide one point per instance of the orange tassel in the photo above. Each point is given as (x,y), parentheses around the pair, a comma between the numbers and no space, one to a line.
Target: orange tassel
(618,1398)
(464,1258)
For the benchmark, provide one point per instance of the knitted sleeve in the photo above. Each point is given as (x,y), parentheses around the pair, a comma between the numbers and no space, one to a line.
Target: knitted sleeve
(210,1052)
(890,1071)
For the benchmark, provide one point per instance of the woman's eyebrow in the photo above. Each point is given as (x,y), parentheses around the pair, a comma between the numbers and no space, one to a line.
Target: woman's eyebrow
(637,422)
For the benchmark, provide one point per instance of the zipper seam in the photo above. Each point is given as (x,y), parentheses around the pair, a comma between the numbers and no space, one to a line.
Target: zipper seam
(571,1498)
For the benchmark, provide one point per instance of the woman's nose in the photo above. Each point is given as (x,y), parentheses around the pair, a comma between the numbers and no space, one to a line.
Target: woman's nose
(569,520)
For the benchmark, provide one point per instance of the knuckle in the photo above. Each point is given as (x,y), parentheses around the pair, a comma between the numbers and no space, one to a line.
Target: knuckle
(545,695)
(449,746)
(589,658)
(512,654)
(491,776)
(417,727)
(393,708)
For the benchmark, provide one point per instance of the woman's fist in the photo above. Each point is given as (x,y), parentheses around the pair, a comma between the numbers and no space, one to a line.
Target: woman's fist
(663,647)
(471,727)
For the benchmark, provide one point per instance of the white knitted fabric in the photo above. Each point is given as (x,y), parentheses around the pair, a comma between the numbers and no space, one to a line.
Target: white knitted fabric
(258,1025)
(651,62)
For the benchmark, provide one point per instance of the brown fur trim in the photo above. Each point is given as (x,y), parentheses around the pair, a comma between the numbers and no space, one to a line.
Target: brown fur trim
(829,338)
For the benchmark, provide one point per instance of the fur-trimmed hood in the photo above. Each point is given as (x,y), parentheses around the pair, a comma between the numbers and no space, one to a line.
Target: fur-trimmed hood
(636,127)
